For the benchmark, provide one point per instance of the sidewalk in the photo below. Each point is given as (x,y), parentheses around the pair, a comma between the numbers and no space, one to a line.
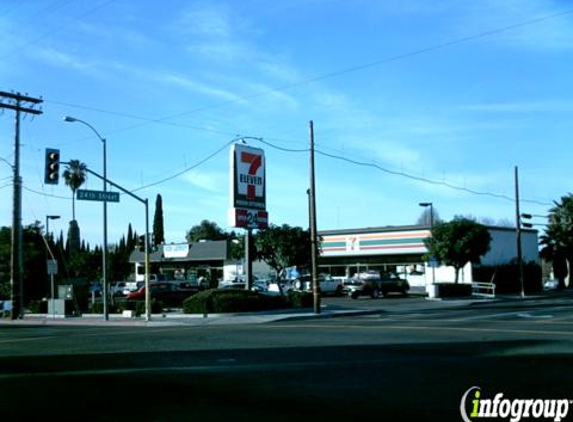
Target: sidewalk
(179,319)
(174,319)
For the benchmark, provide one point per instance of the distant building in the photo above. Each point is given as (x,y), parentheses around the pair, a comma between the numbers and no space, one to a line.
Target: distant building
(401,248)
(184,261)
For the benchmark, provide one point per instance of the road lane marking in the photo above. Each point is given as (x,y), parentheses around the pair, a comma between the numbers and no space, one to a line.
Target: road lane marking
(432,328)
(18,340)
(530,316)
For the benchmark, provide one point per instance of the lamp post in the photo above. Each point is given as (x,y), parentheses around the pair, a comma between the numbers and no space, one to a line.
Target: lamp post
(104,248)
(48,218)
(431,205)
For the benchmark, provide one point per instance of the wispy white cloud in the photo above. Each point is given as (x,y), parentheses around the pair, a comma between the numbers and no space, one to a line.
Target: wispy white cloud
(213,32)
(522,107)
(546,34)
(195,86)
(209,181)
(65,60)
(209,20)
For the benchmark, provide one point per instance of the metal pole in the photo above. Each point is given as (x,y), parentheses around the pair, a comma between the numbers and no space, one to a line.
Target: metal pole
(312,224)
(147,287)
(53,294)
(518,235)
(248,259)
(431,234)
(104,249)
(104,246)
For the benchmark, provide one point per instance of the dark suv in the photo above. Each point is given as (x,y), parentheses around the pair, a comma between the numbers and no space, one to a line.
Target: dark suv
(374,284)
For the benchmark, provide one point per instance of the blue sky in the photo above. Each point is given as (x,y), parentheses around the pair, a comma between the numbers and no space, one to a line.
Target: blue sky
(453,92)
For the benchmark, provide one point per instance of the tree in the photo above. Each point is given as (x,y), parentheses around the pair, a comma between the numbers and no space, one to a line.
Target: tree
(75,175)
(158,232)
(206,230)
(283,246)
(35,278)
(458,242)
(558,238)
(426,216)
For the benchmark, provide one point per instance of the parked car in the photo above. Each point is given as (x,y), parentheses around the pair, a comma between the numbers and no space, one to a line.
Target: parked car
(279,286)
(374,284)
(132,286)
(551,284)
(328,284)
(95,289)
(258,286)
(166,292)
(117,288)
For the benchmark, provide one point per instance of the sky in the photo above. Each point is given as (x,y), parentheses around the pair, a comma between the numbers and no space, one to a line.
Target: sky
(412,101)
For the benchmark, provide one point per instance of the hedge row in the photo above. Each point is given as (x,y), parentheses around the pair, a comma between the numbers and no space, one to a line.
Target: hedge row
(222,301)
(506,277)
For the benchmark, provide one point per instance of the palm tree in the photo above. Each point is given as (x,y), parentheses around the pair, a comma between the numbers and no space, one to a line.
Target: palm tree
(75,175)
(558,239)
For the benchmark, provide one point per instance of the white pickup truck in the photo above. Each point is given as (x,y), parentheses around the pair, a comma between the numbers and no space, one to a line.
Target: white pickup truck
(328,284)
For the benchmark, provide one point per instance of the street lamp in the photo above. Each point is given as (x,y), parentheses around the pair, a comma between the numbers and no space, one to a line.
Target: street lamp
(104,249)
(48,218)
(431,205)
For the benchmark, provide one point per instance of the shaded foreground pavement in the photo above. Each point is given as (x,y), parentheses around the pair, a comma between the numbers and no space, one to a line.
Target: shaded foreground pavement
(397,366)
(340,383)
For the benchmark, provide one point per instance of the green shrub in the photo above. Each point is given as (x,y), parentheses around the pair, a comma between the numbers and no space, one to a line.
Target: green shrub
(38,306)
(222,301)
(299,299)
(201,303)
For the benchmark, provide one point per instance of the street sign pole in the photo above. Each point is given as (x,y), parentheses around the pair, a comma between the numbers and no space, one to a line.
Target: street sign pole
(145,203)
(52,270)
(248,259)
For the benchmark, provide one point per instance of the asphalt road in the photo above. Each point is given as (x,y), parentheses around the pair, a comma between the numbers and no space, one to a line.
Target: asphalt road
(412,360)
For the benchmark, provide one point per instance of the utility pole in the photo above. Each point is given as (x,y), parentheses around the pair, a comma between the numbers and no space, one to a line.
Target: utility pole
(20,104)
(518,235)
(312,223)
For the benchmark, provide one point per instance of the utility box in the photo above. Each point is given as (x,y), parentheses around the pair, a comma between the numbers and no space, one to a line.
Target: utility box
(60,308)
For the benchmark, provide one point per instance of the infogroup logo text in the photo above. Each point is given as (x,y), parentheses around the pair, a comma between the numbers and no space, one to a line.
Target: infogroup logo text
(513,409)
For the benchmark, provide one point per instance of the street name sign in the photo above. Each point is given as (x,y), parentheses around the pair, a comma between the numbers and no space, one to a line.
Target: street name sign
(97,195)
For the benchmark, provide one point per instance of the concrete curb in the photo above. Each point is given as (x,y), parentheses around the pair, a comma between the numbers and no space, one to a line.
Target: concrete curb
(182,320)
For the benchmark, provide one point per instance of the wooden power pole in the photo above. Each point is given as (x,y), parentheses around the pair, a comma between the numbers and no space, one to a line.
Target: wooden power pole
(20,104)
(312,224)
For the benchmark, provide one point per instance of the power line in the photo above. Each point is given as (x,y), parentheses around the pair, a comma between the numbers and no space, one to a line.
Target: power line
(430,181)
(407,175)
(59,28)
(49,195)
(210,156)
(147,120)
(334,74)
(332,156)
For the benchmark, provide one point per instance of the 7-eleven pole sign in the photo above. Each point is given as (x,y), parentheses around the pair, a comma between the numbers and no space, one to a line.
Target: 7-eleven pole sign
(248,188)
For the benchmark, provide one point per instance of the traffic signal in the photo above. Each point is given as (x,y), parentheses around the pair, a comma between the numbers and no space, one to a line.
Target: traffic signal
(141,243)
(52,169)
(524,224)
